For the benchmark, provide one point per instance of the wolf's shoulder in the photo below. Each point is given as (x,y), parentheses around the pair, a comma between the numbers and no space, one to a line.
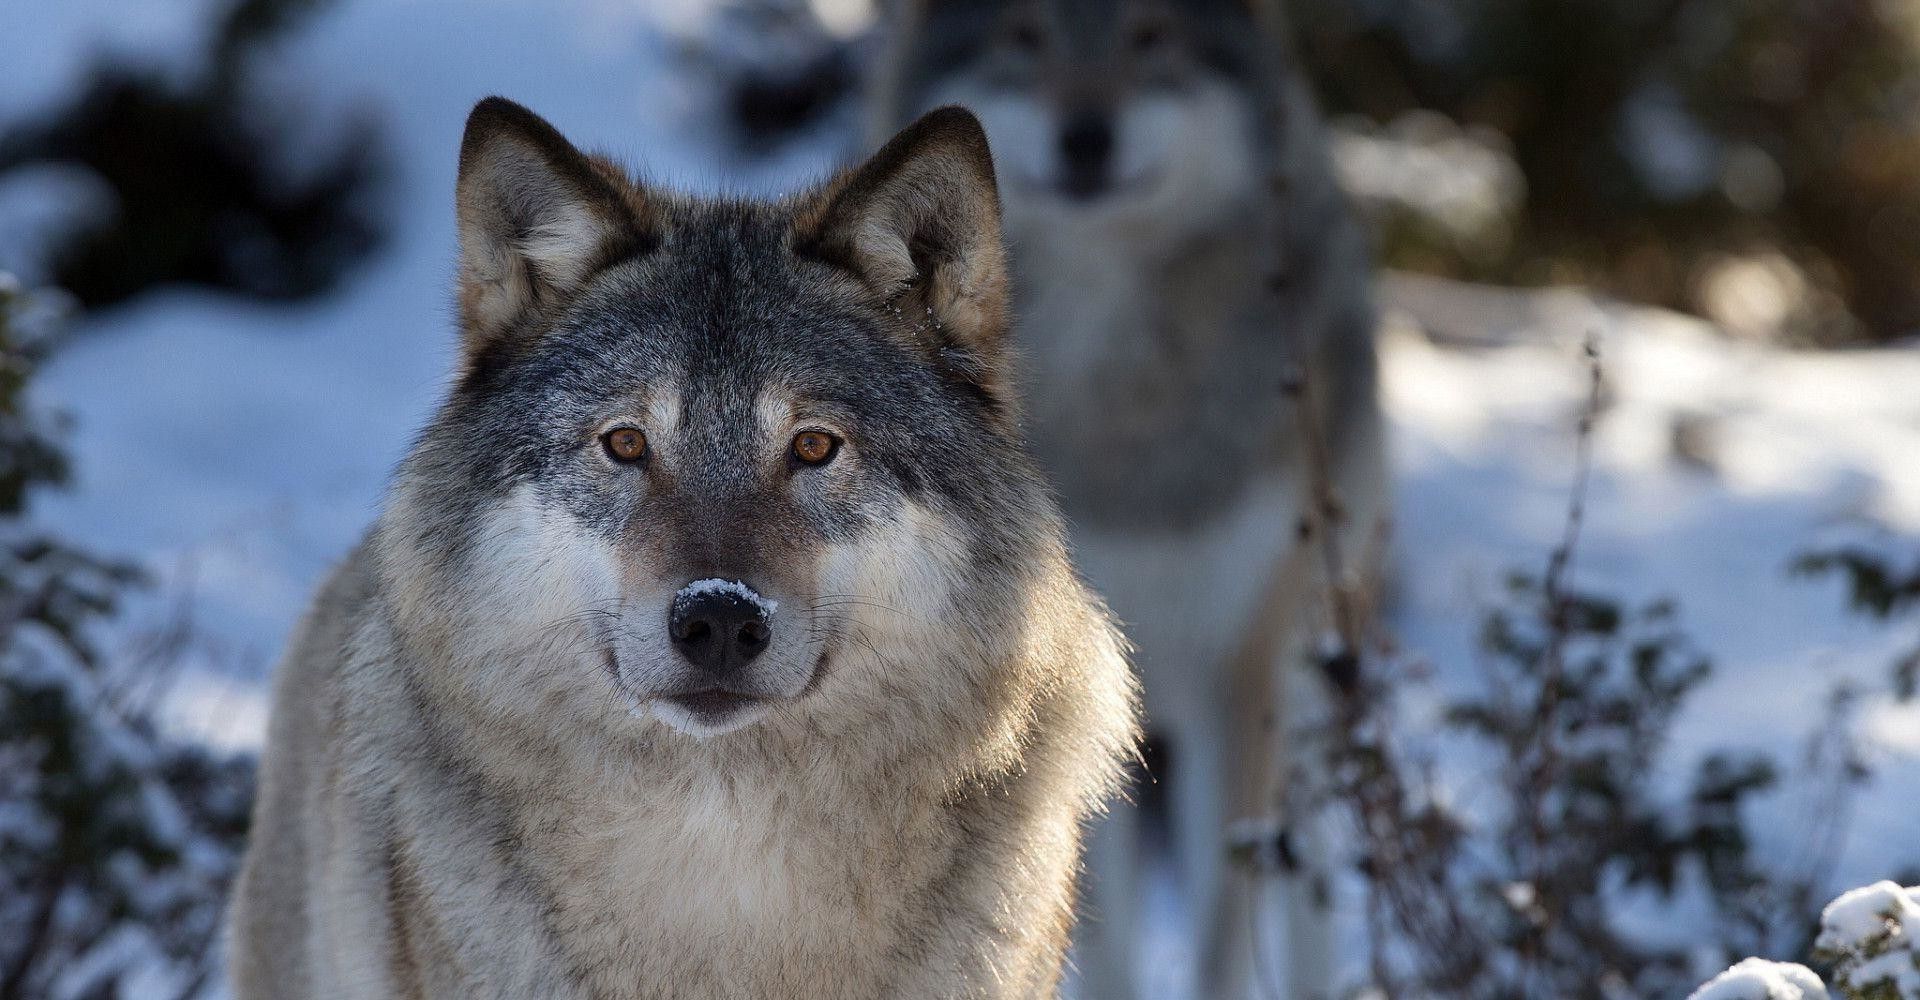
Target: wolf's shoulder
(306,678)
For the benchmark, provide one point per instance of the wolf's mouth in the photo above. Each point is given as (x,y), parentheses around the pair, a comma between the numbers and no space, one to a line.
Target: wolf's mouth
(1079,195)
(712,705)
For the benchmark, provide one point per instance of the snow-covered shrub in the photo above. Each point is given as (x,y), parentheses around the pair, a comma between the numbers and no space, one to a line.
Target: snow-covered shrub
(773,71)
(1871,937)
(1878,586)
(116,843)
(1758,979)
(1867,937)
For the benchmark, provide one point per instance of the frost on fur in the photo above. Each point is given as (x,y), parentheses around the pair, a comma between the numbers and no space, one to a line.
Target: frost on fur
(715,585)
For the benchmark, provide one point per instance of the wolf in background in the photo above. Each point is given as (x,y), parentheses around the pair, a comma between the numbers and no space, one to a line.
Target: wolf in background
(718,638)
(1181,254)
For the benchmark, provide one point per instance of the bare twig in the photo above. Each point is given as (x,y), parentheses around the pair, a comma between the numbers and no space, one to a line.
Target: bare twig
(1407,863)
(1538,787)
(1410,853)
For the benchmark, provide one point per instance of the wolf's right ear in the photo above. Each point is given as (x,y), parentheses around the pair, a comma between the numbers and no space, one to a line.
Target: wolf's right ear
(536,217)
(919,224)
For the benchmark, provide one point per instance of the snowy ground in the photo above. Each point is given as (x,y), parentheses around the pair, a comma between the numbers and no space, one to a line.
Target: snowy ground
(238,449)
(1717,462)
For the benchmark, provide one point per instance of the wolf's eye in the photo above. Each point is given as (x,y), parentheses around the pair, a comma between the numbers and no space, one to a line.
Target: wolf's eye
(1148,37)
(815,447)
(624,444)
(1026,36)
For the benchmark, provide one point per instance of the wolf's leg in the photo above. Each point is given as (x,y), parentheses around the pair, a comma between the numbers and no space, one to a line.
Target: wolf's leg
(1204,769)
(1272,932)
(1107,936)
(1309,915)
(1302,914)
(1266,941)
(418,896)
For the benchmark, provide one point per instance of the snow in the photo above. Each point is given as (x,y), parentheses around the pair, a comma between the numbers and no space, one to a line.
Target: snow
(48,54)
(1757,979)
(1871,931)
(239,449)
(1868,914)
(1464,179)
(700,588)
(125,948)
(1717,463)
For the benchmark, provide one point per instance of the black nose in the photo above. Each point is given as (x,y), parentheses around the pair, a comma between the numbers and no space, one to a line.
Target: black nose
(1086,149)
(718,631)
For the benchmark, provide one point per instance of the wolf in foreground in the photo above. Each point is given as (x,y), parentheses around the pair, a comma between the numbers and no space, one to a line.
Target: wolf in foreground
(1182,256)
(718,639)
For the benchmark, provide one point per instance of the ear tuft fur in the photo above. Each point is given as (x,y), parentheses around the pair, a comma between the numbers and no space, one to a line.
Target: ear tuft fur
(536,219)
(919,224)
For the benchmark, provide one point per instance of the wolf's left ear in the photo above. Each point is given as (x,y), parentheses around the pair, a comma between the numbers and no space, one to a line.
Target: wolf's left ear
(919,223)
(537,217)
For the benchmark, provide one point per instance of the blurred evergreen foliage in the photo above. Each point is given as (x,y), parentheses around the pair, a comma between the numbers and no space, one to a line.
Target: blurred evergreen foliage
(116,842)
(1881,585)
(206,186)
(1658,138)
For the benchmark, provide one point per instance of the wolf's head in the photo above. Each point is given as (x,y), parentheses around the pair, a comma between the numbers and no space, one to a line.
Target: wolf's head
(1124,109)
(708,458)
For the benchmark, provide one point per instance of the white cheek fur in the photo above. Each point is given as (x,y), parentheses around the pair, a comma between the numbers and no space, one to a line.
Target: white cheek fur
(908,568)
(532,568)
(536,576)
(1191,155)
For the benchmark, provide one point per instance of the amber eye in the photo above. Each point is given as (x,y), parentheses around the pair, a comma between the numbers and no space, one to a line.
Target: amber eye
(815,447)
(624,444)
(1025,35)
(1148,36)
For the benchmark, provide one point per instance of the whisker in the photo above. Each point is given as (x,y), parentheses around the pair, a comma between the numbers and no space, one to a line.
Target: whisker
(849,600)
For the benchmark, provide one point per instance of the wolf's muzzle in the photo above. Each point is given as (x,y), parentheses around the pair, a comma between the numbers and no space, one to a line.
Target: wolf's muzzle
(719,630)
(1086,154)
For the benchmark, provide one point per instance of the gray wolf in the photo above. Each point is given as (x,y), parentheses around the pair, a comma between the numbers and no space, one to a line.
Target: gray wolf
(1181,252)
(717,638)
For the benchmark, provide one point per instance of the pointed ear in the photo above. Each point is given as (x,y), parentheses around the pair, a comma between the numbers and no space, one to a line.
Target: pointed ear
(919,224)
(536,217)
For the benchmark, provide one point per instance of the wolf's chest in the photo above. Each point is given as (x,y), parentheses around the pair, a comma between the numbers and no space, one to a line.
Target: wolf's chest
(1151,401)
(1187,596)
(741,892)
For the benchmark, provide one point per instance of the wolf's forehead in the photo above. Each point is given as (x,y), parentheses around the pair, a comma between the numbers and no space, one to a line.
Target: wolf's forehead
(1105,17)
(708,355)
(1108,19)
(706,307)
(1090,14)
(723,314)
